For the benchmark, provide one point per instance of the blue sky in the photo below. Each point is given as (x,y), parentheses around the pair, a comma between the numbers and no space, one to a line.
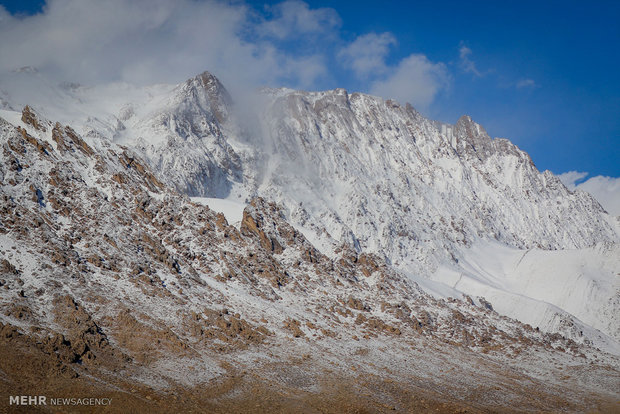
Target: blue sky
(543,74)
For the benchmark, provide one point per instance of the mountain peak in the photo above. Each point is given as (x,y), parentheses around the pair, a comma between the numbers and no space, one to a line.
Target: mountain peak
(206,91)
(478,142)
(208,81)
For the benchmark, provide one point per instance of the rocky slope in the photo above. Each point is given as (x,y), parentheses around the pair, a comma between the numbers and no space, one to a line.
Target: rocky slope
(114,284)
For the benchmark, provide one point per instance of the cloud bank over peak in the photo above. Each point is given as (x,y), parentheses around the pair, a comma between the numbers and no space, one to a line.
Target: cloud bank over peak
(162,41)
(606,190)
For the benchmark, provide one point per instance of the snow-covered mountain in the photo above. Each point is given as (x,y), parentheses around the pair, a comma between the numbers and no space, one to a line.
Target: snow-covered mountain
(372,202)
(373,174)
(387,180)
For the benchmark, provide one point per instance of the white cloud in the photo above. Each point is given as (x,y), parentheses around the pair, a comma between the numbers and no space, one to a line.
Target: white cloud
(294,18)
(366,54)
(167,41)
(606,190)
(416,80)
(147,41)
(570,178)
(526,83)
(467,64)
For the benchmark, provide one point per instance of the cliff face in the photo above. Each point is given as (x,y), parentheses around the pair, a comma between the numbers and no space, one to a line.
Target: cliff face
(404,176)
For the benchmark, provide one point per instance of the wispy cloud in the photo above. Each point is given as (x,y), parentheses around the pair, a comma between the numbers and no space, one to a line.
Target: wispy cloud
(366,55)
(295,18)
(466,62)
(526,83)
(468,65)
(606,190)
(415,79)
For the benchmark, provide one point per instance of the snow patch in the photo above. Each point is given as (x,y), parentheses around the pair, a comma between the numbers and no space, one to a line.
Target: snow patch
(561,290)
(232,210)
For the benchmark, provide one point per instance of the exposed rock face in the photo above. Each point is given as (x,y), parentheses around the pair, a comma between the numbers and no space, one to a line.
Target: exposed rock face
(254,225)
(30,118)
